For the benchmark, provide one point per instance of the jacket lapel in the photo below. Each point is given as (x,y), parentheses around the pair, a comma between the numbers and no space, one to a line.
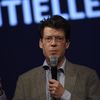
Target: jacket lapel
(70,76)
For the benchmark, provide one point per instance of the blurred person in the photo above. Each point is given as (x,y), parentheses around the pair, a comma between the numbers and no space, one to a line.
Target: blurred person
(74,82)
(2,93)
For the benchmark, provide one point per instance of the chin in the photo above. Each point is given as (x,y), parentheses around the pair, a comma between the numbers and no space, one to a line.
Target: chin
(54,55)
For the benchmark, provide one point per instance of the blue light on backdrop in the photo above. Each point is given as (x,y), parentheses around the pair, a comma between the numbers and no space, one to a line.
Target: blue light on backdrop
(38,7)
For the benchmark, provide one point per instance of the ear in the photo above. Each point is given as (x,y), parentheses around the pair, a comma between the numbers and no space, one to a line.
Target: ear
(40,44)
(67,44)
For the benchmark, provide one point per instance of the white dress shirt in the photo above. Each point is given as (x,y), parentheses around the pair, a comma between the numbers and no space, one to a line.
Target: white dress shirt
(61,78)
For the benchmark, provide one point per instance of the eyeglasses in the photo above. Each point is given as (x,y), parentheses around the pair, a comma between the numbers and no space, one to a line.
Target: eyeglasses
(59,39)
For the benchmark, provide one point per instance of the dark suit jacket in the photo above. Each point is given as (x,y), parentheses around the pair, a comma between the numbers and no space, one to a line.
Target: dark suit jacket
(80,81)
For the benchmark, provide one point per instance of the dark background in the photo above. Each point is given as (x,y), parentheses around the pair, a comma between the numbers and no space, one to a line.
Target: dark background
(19,50)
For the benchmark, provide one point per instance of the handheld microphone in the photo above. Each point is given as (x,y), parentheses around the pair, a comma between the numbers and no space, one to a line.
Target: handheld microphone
(53,64)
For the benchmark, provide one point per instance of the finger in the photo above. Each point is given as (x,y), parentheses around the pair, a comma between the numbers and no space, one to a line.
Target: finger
(52,81)
(52,91)
(52,85)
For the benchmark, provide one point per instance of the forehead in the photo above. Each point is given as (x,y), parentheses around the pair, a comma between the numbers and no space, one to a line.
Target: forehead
(48,31)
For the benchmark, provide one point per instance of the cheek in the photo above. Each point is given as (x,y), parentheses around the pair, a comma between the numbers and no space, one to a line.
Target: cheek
(45,49)
(62,49)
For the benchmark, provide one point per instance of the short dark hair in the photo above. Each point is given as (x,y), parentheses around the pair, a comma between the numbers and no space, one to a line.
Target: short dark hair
(56,22)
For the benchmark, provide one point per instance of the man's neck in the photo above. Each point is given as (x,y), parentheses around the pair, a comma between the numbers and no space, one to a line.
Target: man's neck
(60,62)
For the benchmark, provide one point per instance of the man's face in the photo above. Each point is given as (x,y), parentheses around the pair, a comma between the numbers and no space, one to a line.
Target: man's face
(53,42)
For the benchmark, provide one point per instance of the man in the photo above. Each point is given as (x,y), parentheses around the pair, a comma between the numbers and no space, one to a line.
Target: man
(2,94)
(74,82)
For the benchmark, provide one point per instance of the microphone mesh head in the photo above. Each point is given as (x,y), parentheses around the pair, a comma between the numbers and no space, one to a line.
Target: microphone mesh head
(53,61)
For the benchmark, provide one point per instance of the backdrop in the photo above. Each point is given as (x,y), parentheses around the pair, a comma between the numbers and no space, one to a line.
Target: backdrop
(19,50)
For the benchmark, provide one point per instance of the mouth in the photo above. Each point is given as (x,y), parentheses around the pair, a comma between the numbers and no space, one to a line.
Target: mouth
(53,52)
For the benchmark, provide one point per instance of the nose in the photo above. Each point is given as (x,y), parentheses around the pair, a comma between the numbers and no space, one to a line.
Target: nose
(53,42)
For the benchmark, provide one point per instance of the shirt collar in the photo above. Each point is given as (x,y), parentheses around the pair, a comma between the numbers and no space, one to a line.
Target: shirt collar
(62,67)
(45,65)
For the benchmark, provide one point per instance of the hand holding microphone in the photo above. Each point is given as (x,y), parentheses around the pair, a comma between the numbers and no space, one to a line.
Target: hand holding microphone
(55,87)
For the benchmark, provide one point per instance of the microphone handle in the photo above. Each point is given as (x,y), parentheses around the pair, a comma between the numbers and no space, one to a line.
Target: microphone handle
(54,72)
(54,76)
